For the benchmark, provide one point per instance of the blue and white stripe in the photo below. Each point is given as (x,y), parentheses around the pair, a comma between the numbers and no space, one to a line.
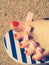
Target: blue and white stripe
(12,46)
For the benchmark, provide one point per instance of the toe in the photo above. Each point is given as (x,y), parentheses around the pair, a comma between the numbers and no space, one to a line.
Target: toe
(31,49)
(25,37)
(40,54)
(36,57)
(29,29)
(15,35)
(26,51)
(29,16)
(40,50)
(21,45)
(14,23)
(24,44)
(18,36)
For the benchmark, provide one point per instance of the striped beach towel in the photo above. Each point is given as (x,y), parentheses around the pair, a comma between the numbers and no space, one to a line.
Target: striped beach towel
(16,53)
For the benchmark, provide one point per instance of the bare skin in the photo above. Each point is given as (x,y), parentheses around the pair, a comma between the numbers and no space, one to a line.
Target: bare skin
(40,34)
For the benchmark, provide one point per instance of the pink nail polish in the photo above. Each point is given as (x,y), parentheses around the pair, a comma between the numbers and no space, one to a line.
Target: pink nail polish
(15,23)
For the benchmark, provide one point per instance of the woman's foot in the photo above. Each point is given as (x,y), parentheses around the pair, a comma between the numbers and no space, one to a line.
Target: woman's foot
(40,33)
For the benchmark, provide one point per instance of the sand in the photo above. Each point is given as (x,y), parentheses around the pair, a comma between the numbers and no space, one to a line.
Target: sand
(17,10)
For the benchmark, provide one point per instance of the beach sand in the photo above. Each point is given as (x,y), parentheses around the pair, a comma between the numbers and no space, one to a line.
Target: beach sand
(17,10)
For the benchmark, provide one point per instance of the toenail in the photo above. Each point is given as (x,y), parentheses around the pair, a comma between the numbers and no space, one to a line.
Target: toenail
(15,23)
(20,44)
(26,51)
(15,35)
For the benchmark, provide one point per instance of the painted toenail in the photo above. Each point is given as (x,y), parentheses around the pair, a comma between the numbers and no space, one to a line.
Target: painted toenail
(20,44)
(26,51)
(15,35)
(15,23)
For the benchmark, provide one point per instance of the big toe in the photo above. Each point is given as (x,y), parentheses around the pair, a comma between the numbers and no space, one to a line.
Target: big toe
(14,23)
